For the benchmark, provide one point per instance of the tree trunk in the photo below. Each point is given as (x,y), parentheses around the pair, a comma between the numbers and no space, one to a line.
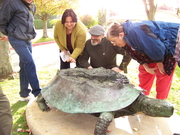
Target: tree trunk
(150,9)
(45,28)
(5,61)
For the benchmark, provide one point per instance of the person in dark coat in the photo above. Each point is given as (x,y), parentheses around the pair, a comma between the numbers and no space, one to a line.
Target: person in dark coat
(17,24)
(99,52)
(5,115)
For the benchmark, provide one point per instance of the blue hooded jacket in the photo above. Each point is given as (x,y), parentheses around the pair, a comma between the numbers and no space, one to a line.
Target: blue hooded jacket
(153,38)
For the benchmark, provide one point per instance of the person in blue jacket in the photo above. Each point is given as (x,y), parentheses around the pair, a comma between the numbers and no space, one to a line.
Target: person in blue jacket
(154,44)
(17,24)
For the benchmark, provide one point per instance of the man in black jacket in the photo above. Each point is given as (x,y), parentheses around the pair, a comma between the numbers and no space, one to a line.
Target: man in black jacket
(17,23)
(101,52)
(5,115)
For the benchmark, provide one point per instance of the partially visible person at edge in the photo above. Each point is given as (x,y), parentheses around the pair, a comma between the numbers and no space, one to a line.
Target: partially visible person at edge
(102,53)
(6,120)
(70,35)
(152,44)
(16,22)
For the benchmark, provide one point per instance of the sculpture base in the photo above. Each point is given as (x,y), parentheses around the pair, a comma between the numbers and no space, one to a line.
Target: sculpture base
(57,122)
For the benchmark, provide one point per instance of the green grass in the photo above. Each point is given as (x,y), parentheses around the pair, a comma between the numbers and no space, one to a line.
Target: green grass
(41,40)
(11,89)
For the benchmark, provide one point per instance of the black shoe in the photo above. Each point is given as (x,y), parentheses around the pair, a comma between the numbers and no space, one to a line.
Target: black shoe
(176,134)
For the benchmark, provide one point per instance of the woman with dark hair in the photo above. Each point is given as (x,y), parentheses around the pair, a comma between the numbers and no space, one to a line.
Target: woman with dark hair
(155,45)
(70,35)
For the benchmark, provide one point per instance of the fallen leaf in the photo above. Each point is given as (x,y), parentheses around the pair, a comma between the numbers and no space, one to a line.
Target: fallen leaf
(19,130)
(28,130)
(135,129)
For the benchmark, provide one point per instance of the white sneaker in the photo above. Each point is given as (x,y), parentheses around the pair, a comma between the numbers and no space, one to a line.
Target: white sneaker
(25,98)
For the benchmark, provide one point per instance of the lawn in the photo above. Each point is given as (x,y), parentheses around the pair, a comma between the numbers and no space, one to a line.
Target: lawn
(11,89)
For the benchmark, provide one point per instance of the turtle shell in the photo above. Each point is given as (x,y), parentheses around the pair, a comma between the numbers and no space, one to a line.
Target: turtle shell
(79,90)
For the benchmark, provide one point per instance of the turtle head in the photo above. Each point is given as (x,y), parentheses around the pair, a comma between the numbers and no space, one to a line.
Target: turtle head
(157,108)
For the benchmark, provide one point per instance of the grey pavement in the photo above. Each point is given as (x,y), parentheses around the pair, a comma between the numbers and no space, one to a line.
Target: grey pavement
(44,55)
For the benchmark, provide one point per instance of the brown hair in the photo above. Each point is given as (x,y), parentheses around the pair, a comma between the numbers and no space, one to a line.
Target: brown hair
(71,13)
(115,29)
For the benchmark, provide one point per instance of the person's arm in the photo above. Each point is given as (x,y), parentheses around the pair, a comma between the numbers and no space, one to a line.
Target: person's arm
(126,59)
(79,36)
(4,38)
(83,59)
(57,29)
(148,69)
(6,13)
(161,67)
(116,69)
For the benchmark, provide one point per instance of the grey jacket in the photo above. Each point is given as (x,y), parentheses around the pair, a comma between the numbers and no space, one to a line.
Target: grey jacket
(16,20)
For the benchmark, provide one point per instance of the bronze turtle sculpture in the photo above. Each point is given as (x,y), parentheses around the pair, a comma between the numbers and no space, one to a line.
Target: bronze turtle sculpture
(99,92)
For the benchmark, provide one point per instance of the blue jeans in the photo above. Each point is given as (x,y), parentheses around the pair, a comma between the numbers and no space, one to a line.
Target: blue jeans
(27,73)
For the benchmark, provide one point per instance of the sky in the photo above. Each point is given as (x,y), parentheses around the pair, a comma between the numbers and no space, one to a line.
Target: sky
(126,7)
(94,5)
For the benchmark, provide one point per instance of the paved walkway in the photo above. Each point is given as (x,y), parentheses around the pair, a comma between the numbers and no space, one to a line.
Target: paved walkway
(44,55)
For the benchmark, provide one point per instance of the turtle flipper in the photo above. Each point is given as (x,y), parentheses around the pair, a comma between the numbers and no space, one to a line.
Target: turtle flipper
(42,103)
(103,122)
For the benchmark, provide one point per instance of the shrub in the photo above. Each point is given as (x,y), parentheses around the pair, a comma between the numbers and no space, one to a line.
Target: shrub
(39,24)
(88,20)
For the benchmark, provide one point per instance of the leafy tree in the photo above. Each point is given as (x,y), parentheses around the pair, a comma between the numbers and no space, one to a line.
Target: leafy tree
(112,13)
(150,8)
(46,8)
(88,20)
(6,65)
(102,17)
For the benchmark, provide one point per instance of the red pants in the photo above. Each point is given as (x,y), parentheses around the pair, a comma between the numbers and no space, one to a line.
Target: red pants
(163,81)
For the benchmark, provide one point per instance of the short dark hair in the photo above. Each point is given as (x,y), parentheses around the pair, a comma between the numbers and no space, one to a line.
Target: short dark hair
(71,13)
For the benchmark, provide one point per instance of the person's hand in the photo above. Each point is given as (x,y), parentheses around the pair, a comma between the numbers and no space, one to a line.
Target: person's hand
(148,69)
(116,69)
(71,60)
(65,52)
(4,38)
(90,67)
(161,67)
